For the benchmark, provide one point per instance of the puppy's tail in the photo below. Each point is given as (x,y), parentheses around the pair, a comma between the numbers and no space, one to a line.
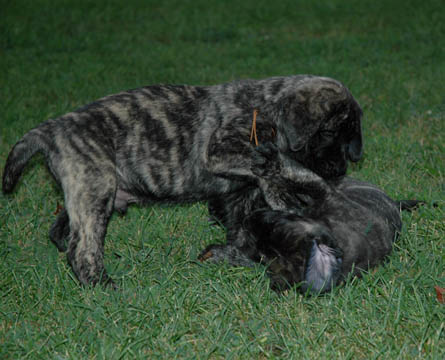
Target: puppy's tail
(36,140)
(409,205)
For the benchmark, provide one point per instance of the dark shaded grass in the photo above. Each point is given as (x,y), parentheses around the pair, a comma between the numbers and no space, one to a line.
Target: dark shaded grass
(55,57)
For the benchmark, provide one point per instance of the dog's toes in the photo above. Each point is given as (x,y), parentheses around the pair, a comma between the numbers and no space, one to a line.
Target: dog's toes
(105,282)
(215,253)
(209,252)
(205,256)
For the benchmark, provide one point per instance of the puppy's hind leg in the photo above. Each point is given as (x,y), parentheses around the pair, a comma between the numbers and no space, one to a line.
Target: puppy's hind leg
(89,205)
(60,230)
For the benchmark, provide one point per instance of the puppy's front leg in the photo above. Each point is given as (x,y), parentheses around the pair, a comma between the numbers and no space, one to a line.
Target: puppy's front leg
(217,253)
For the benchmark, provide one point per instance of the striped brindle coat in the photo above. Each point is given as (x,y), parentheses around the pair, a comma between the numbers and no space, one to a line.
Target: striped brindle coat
(177,144)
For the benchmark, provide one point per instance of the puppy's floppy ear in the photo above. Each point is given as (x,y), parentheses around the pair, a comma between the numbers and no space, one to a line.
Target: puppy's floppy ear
(295,126)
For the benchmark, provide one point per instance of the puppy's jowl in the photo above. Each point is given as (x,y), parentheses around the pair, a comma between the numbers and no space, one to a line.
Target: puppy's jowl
(180,144)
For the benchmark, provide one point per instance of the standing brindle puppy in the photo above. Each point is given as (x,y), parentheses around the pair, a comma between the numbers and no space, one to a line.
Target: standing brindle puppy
(180,144)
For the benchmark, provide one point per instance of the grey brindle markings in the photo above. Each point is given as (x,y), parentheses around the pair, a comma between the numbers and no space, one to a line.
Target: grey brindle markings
(180,144)
(313,241)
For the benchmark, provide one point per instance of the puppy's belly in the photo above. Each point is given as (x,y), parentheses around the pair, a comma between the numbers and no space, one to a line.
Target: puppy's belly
(149,185)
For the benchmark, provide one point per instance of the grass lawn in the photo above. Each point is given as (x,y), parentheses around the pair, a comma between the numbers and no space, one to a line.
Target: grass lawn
(58,55)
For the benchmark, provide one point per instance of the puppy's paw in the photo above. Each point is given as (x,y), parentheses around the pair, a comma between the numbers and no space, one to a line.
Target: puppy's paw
(225,253)
(213,253)
(266,161)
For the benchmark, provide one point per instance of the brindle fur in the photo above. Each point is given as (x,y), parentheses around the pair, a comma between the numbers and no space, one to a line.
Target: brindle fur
(314,241)
(176,144)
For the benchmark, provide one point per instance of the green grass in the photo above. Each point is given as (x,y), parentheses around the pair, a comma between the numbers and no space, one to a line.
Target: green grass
(56,56)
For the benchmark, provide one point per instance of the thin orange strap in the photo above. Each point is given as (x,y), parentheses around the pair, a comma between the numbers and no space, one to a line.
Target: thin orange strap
(253,131)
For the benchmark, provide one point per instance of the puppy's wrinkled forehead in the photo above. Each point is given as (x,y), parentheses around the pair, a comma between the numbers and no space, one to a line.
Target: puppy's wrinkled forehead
(324,96)
(322,103)
(333,105)
(343,114)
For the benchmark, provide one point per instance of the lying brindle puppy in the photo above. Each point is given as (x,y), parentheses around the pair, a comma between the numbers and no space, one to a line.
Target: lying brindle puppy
(315,240)
(179,144)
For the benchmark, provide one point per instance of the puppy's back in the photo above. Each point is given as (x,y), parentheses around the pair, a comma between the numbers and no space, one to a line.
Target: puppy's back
(365,222)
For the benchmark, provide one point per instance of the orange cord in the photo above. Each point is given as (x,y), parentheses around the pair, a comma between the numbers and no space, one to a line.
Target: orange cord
(253,131)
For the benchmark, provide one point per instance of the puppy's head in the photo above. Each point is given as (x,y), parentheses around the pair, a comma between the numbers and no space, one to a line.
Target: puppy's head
(296,250)
(320,123)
